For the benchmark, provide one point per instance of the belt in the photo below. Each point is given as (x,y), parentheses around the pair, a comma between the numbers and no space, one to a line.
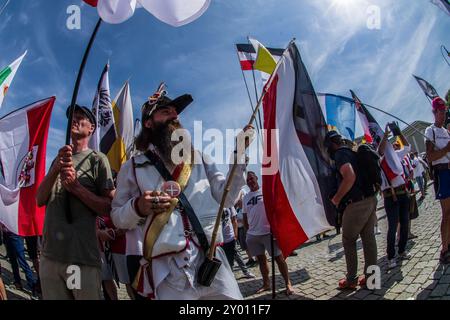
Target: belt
(441,166)
(397,190)
(356,199)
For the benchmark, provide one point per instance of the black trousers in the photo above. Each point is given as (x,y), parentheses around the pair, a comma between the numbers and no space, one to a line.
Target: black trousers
(397,212)
(230,251)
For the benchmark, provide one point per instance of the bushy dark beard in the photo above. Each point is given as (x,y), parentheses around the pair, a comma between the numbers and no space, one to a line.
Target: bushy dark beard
(161,138)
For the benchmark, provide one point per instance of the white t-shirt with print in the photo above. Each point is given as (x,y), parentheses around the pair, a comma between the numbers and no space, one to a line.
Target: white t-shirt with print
(227,225)
(417,167)
(253,206)
(240,218)
(441,138)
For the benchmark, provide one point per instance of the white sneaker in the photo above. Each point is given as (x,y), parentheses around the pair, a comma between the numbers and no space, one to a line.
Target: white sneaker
(249,276)
(392,264)
(405,255)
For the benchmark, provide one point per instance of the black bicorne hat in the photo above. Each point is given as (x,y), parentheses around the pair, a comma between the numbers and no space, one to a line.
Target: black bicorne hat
(160,100)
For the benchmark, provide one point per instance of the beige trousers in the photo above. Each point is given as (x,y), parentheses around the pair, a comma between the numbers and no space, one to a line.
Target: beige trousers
(63,281)
(359,219)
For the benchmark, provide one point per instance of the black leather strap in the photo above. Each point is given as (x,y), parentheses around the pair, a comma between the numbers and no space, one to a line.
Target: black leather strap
(198,229)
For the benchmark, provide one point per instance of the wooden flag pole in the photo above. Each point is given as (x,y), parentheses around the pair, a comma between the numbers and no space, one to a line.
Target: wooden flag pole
(233,168)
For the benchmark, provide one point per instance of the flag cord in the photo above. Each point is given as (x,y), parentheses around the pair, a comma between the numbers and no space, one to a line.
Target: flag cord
(443,55)
(4,6)
(248,93)
(254,84)
(230,177)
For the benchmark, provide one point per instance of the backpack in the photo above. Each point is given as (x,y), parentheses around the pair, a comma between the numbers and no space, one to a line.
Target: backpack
(369,170)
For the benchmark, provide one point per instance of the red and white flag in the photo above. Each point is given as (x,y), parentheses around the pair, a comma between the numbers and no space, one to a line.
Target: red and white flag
(23,144)
(297,179)
(247,55)
(373,134)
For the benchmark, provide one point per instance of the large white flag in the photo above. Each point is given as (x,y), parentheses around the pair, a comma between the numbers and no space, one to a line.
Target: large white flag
(176,12)
(23,142)
(173,12)
(116,11)
(7,75)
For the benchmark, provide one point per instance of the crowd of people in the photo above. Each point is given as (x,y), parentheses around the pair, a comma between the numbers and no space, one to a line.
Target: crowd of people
(357,193)
(149,226)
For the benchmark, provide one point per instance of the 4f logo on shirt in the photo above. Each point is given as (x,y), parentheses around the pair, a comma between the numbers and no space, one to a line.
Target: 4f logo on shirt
(253,201)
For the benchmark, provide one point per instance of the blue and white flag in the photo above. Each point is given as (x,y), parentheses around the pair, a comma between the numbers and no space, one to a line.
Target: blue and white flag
(339,113)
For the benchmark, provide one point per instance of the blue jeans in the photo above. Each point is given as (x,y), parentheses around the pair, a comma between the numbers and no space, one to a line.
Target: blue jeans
(419,181)
(397,211)
(16,255)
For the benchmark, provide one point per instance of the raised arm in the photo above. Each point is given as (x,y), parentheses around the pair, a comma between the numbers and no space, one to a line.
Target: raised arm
(45,188)
(382,146)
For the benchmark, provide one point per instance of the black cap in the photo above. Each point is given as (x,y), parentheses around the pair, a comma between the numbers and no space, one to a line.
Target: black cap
(88,113)
(329,136)
(179,103)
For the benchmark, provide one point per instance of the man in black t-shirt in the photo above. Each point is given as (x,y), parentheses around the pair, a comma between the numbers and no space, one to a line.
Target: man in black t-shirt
(359,212)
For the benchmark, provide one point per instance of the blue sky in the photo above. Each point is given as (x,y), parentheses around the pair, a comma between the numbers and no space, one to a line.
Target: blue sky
(338,49)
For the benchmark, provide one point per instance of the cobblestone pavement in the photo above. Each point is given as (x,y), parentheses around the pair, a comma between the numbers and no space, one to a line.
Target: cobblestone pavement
(317,268)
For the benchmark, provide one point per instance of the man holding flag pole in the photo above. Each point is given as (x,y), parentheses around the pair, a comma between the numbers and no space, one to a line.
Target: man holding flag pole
(170,205)
(393,184)
(79,180)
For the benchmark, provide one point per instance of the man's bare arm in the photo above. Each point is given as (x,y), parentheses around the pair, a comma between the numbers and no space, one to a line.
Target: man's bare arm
(433,154)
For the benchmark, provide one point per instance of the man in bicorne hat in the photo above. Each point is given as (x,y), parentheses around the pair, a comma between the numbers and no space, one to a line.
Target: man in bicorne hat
(167,247)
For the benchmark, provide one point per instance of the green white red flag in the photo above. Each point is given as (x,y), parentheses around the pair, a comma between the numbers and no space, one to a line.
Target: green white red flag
(7,75)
